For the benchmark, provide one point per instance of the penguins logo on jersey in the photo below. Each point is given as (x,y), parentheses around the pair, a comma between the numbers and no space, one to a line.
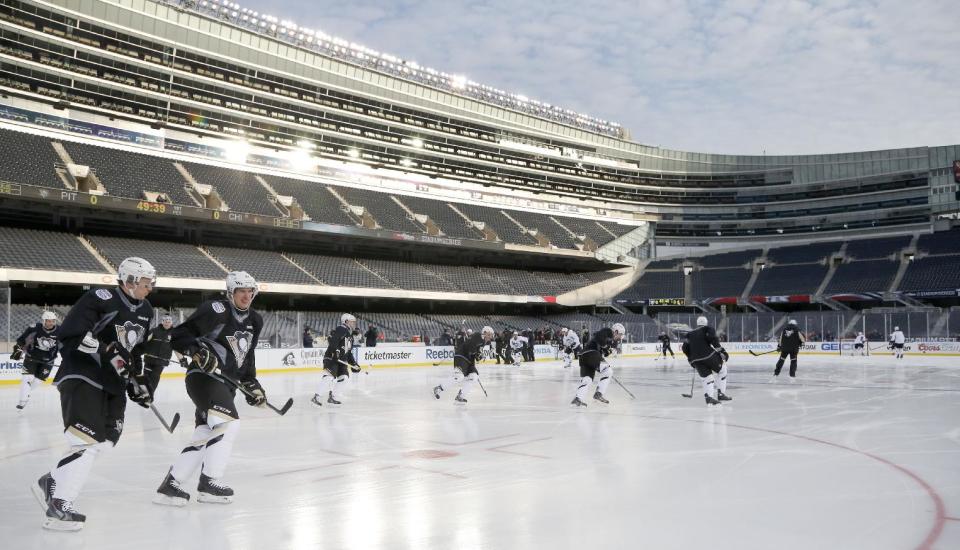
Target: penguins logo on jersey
(45,343)
(129,335)
(240,345)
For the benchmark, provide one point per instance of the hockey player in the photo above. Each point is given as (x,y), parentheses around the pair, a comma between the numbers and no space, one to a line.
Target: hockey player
(707,356)
(518,345)
(100,344)
(219,338)
(665,345)
(860,343)
(592,362)
(896,342)
(338,361)
(39,344)
(157,352)
(791,340)
(571,346)
(465,364)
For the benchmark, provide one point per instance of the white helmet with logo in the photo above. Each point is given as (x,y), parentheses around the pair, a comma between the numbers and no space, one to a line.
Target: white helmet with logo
(347,318)
(165,318)
(702,321)
(133,269)
(48,316)
(240,279)
(618,328)
(487,331)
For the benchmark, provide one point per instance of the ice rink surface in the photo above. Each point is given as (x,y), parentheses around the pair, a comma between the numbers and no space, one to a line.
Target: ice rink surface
(859,453)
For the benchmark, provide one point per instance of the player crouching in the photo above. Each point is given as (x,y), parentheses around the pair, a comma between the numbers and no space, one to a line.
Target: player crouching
(220,338)
(704,352)
(465,364)
(592,361)
(571,346)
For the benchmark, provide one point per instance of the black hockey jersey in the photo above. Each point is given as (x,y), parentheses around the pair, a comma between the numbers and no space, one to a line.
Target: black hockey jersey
(232,334)
(40,344)
(339,345)
(601,341)
(664,340)
(790,340)
(702,344)
(469,349)
(158,344)
(114,319)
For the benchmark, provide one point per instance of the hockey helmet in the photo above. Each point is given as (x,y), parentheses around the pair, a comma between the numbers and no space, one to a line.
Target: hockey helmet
(48,316)
(896,328)
(347,318)
(487,332)
(240,279)
(618,328)
(166,318)
(133,269)
(792,322)
(702,321)
(564,330)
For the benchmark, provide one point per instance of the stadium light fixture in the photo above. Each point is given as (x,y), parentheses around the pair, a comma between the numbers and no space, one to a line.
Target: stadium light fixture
(415,142)
(306,144)
(406,162)
(458,81)
(353,153)
(301,160)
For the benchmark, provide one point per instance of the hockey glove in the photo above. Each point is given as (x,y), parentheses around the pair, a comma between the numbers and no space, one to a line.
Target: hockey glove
(139,392)
(724,355)
(120,359)
(17,353)
(354,368)
(89,344)
(607,352)
(254,393)
(204,359)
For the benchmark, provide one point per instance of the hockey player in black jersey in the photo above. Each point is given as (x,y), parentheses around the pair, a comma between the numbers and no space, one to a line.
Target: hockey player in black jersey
(665,345)
(38,348)
(100,342)
(338,361)
(791,340)
(465,358)
(704,352)
(592,362)
(219,338)
(157,352)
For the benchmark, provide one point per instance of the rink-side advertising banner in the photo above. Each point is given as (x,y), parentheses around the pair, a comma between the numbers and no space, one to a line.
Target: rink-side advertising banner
(386,356)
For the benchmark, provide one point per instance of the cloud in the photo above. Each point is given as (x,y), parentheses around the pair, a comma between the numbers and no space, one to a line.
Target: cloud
(734,76)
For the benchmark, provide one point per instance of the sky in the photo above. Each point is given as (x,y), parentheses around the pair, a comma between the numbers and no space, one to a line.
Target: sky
(738,76)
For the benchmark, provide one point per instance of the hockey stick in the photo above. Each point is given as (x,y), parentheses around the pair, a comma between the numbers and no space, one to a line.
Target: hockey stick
(281,411)
(348,365)
(880,347)
(693,378)
(755,354)
(624,387)
(485,394)
(172,425)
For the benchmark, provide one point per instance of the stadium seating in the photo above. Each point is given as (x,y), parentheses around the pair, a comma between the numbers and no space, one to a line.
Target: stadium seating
(381,206)
(519,281)
(126,174)
(170,259)
(338,271)
(239,189)
(409,276)
(28,159)
(589,228)
(863,276)
(876,248)
(451,223)
(314,198)
(471,279)
(29,249)
(805,253)
(263,265)
(932,273)
(729,259)
(557,235)
(504,228)
(719,283)
(656,284)
(790,279)
(941,242)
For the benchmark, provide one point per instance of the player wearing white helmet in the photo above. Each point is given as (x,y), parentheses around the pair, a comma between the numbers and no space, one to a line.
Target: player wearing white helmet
(897,340)
(518,347)
(465,364)
(791,341)
(860,343)
(219,338)
(592,362)
(705,354)
(38,348)
(100,344)
(338,361)
(571,346)
(157,352)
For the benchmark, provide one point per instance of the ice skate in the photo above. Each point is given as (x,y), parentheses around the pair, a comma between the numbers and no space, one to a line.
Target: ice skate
(436,391)
(43,490)
(577,403)
(459,398)
(723,397)
(710,401)
(212,491)
(332,400)
(61,516)
(170,493)
(599,397)
(317,400)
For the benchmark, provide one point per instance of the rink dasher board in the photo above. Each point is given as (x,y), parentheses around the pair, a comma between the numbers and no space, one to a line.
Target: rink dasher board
(390,356)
